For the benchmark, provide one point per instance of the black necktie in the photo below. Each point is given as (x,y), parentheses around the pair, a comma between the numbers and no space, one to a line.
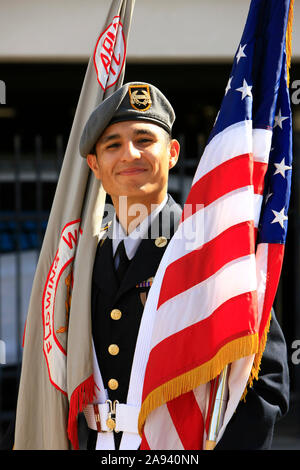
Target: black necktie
(123,261)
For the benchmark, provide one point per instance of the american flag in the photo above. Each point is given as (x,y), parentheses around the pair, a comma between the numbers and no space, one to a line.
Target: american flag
(212,295)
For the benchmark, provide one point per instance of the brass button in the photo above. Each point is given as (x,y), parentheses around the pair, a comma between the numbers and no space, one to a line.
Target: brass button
(113,384)
(160,242)
(116,314)
(113,349)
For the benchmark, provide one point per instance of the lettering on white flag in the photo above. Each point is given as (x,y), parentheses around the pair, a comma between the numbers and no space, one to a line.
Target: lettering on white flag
(109,54)
(55,353)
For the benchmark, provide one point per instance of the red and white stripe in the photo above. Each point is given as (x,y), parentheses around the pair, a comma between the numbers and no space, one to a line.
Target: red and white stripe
(209,276)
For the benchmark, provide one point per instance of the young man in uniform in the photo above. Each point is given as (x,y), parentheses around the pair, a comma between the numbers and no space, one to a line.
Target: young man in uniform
(128,145)
(132,156)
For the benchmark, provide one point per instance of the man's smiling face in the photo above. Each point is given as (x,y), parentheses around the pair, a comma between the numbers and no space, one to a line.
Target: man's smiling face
(133,159)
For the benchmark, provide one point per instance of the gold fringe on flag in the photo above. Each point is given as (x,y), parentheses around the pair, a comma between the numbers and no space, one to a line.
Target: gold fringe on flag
(232,351)
(257,359)
(288,40)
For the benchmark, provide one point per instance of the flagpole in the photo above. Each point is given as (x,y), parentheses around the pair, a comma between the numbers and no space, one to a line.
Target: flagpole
(218,408)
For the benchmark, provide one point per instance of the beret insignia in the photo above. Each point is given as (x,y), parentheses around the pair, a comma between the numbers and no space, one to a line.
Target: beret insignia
(140,98)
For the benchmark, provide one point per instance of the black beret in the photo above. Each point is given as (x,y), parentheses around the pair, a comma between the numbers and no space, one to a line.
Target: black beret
(132,102)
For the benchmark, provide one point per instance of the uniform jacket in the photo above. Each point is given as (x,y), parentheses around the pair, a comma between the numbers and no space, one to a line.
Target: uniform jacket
(128,298)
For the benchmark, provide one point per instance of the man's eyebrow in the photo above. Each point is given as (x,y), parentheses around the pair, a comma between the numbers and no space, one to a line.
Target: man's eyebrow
(109,137)
(144,132)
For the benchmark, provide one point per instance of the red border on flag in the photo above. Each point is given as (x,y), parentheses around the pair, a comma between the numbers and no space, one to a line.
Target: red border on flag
(120,67)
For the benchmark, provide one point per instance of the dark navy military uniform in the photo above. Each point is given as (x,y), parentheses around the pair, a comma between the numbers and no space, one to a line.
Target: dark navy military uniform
(117,308)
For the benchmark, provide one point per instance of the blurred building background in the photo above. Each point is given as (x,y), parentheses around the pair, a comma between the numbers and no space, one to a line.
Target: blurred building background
(184,48)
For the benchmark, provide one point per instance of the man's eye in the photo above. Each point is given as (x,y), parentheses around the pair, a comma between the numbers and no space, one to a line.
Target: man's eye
(114,145)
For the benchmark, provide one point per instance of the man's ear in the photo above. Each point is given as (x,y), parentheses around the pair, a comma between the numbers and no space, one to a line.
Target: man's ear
(92,162)
(174,153)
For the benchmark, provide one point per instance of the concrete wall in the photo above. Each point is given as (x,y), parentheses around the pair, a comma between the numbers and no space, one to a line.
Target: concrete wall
(162,30)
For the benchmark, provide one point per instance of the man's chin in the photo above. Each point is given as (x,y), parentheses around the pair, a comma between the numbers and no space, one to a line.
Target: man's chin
(138,196)
(138,192)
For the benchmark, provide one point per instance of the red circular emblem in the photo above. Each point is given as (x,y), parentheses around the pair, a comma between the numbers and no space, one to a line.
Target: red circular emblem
(109,54)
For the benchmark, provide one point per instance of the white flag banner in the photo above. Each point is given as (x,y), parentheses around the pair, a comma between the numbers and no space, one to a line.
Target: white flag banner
(57,366)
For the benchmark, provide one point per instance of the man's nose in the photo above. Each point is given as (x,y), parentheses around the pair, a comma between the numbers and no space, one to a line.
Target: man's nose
(131,152)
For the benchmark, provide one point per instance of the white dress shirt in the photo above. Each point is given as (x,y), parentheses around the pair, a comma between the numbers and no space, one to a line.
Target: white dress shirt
(133,239)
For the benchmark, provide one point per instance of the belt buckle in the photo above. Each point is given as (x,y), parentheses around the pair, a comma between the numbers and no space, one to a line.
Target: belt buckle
(111,420)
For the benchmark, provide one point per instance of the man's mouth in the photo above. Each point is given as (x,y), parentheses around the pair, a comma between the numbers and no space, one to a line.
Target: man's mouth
(131,171)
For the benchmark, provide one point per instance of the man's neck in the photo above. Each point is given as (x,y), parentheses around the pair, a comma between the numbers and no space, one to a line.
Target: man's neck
(131,214)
